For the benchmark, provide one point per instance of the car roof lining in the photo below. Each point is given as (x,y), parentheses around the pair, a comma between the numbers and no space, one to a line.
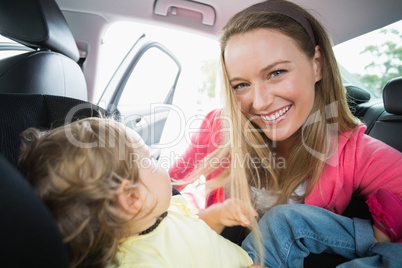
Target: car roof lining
(352,15)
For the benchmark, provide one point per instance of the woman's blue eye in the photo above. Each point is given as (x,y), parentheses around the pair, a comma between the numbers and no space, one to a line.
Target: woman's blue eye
(276,73)
(239,86)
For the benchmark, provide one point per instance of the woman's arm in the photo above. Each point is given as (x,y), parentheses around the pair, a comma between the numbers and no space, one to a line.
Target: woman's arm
(377,165)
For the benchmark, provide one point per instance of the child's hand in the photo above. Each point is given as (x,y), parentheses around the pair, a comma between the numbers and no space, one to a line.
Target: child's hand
(231,213)
(228,213)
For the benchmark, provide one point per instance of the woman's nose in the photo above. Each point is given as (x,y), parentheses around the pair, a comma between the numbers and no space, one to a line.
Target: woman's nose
(262,98)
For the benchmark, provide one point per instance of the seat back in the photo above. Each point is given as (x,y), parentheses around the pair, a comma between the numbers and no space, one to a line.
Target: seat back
(388,125)
(21,111)
(28,235)
(51,68)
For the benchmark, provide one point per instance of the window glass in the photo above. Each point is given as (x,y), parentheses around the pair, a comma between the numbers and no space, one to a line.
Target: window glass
(372,59)
(10,48)
(115,45)
(197,91)
(5,40)
(8,53)
(150,81)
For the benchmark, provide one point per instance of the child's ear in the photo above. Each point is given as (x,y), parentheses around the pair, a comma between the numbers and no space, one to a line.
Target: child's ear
(129,198)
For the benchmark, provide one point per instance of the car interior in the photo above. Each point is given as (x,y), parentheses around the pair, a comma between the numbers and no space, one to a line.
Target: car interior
(50,85)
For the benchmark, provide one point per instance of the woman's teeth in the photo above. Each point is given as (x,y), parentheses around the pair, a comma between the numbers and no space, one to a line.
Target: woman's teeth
(275,115)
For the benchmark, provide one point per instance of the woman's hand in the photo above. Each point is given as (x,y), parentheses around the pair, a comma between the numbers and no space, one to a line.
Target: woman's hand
(255,266)
(228,213)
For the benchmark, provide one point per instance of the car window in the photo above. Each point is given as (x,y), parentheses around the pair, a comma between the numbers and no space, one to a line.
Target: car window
(197,91)
(10,48)
(196,53)
(150,81)
(370,60)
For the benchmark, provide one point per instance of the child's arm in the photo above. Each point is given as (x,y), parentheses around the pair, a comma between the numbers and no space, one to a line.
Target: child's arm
(220,215)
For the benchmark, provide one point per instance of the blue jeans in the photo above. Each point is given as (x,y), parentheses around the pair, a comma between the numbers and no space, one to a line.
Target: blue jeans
(291,232)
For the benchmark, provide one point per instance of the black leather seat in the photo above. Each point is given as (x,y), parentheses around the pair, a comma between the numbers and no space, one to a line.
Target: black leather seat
(51,68)
(388,125)
(21,111)
(28,235)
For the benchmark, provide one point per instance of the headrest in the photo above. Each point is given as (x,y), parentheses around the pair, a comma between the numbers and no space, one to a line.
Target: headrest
(392,96)
(37,24)
(357,95)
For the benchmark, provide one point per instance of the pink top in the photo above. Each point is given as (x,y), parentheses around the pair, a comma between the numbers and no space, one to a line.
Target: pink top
(364,165)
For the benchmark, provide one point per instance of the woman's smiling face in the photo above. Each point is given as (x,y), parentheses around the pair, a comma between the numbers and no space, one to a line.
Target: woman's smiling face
(273,80)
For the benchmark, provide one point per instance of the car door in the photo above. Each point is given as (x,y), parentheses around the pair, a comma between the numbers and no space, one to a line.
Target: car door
(141,91)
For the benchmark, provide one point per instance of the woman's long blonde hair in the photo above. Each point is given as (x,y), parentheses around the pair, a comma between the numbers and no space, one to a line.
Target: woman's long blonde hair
(315,142)
(77,170)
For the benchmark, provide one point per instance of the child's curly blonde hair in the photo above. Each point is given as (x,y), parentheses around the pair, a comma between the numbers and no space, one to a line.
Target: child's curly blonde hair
(77,170)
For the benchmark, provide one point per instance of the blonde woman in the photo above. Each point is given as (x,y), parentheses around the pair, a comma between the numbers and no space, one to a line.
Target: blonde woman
(286,134)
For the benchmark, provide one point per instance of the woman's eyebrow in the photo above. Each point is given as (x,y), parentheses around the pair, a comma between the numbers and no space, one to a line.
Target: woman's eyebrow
(234,79)
(272,65)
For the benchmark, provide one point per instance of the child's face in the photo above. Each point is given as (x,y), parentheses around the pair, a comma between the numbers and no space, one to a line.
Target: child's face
(155,185)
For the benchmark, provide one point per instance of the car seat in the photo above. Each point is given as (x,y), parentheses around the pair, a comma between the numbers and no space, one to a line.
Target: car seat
(28,235)
(388,124)
(21,111)
(51,67)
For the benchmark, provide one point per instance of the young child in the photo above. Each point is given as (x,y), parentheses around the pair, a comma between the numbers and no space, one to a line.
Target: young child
(113,204)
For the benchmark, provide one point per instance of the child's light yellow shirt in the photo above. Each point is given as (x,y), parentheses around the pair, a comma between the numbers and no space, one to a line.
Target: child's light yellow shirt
(182,240)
